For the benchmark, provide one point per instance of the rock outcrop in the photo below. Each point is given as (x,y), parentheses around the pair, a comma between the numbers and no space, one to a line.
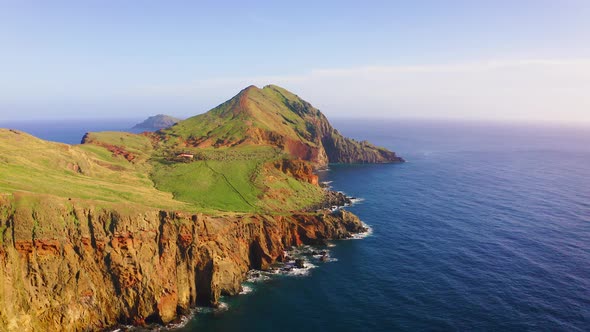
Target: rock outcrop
(298,169)
(116,150)
(71,266)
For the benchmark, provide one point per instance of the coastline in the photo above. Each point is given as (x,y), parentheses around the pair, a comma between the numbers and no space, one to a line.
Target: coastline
(313,255)
(140,267)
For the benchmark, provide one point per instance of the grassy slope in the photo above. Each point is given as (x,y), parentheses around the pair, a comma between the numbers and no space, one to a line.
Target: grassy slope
(29,164)
(265,109)
(210,184)
(234,179)
(228,179)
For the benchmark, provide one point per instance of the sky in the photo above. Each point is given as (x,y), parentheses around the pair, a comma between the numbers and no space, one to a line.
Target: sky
(515,60)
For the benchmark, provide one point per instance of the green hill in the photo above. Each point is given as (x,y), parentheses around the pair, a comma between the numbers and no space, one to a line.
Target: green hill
(29,165)
(275,117)
(254,153)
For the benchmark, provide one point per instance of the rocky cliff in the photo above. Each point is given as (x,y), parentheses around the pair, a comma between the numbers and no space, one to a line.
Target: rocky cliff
(68,265)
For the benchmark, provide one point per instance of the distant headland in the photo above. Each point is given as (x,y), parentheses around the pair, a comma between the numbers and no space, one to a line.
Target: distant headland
(157,122)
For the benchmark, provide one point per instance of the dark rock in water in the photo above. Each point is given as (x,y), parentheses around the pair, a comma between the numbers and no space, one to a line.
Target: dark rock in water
(351,222)
(300,263)
(332,200)
(324,258)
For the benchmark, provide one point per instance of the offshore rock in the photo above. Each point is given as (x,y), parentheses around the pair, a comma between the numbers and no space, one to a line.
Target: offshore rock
(299,263)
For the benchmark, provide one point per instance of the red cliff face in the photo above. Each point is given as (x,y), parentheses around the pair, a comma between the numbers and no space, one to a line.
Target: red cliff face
(69,267)
(114,149)
(297,168)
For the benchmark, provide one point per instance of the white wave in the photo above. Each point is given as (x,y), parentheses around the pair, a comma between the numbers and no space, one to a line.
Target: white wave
(255,276)
(359,236)
(325,258)
(221,307)
(246,289)
(184,319)
(357,200)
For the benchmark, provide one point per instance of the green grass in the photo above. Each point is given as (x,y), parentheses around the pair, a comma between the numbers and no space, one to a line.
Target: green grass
(271,108)
(36,166)
(219,185)
(139,145)
(237,177)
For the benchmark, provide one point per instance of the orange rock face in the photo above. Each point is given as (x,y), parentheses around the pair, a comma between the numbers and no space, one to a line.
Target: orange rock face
(137,267)
(299,169)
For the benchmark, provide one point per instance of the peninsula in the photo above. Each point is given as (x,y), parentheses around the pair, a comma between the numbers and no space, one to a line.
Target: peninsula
(137,228)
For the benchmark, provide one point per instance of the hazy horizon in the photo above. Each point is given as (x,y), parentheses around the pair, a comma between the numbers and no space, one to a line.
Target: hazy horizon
(487,61)
(130,120)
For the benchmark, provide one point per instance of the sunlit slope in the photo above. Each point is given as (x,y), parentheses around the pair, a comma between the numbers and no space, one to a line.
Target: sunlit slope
(235,121)
(253,153)
(117,167)
(276,117)
(233,179)
(88,171)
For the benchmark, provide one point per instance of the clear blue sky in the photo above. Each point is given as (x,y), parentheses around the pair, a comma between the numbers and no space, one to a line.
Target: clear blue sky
(135,58)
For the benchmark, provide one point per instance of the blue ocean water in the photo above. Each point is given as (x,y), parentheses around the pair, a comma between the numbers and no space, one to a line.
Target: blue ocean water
(487,227)
(70,131)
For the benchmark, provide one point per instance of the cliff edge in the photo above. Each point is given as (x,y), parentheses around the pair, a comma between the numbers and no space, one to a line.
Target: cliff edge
(80,267)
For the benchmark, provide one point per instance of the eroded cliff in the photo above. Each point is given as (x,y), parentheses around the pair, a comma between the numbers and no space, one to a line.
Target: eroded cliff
(68,265)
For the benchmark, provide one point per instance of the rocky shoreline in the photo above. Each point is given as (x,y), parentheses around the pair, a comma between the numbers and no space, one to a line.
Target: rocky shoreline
(69,266)
(333,200)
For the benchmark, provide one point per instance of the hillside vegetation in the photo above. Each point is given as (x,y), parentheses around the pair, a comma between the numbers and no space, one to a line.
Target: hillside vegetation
(87,171)
(276,117)
(233,159)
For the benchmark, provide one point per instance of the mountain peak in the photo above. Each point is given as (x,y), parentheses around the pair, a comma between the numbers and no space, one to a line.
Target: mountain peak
(274,116)
(249,89)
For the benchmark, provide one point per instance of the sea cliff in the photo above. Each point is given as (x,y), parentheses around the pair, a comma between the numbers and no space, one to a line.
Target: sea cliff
(72,266)
(137,228)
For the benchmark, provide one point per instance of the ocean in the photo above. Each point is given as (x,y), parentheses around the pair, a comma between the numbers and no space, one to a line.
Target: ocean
(486,227)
